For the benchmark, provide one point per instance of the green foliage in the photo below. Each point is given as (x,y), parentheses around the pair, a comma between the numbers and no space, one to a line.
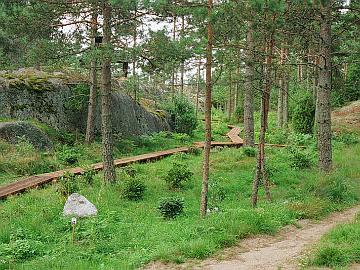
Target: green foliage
(217,193)
(171,207)
(134,189)
(79,99)
(299,158)
(183,117)
(336,188)
(347,138)
(178,175)
(68,155)
(303,114)
(88,176)
(239,114)
(331,256)
(340,247)
(249,151)
(68,184)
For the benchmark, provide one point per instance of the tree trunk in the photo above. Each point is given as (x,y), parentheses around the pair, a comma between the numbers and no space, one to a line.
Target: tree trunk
(323,93)
(261,172)
(280,109)
(198,88)
(134,60)
(230,95)
(90,126)
(248,94)
(174,69)
(109,168)
(182,62)
(205,181)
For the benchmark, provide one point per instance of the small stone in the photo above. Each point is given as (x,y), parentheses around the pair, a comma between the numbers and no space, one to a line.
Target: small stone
(78,206)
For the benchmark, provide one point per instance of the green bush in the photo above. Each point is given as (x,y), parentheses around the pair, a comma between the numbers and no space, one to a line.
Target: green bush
(336,188)
(347,138)
(249,151)
(303,115)
(331,256)
(171,207)
(88,176)
(68,184)
(134,189)
(300,159)
(183,117)
(239,114)
(216,193)
(178,175)
(69,155)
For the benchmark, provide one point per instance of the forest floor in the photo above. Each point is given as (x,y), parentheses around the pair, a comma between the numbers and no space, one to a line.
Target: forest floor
(347,117)
(292,247)
(284,250)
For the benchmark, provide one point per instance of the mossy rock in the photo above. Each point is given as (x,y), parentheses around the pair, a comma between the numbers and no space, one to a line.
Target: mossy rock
(13,132)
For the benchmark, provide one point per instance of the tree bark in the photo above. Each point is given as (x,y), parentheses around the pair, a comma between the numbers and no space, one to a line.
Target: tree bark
(323,93)
(248,94)
(198,88)
(182,72)
(261,172)
(90,126)
(230,96)
(107,144)
(206,166)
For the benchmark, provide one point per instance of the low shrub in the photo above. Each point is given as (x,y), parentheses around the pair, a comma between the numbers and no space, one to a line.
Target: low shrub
(171,207)
(347,138)
(178,175)
(300,159)
(336,188)
(331,256)
(303,114)
(88,176)
(68,155)
(249,151)
(216,193)
(182,114)
(134,189)
(68,184)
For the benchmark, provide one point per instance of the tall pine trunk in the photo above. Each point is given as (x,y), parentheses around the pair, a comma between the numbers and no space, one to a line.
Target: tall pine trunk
(90,126)
(206,165)
(323,109)
(107,145)
(261,172)
(248,94)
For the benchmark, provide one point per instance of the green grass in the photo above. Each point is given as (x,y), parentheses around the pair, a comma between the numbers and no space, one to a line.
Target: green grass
(128,234)
(340,247)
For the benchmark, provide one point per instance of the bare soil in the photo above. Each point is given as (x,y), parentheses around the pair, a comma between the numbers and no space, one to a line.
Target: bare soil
(282,251)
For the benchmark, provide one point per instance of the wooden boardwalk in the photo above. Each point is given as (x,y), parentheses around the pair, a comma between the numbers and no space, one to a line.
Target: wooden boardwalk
(42,179)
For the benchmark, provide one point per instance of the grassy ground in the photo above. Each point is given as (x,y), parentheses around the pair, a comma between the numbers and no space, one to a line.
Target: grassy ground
(128,234)
(21,160)
(339,248)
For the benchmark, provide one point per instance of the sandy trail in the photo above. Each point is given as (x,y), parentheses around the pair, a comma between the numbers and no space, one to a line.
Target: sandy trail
(281,251)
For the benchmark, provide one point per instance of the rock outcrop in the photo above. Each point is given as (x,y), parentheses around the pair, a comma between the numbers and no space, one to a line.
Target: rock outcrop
(52,100)
(13,132)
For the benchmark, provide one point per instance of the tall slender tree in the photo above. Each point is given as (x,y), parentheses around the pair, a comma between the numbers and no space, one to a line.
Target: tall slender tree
(323,109)
(206,164)
(109,167)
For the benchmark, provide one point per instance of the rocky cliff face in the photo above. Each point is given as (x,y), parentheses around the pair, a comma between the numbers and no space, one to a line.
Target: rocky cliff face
(50,100)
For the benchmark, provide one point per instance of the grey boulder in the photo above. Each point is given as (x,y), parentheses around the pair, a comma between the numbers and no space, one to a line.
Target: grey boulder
(78,206)
(13,132)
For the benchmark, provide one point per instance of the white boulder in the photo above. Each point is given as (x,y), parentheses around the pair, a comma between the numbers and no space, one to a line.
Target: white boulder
(78,206)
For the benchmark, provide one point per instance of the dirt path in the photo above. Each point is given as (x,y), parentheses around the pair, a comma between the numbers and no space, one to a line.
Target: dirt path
(282,251)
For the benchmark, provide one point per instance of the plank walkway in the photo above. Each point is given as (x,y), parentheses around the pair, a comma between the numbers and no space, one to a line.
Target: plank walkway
(42,179)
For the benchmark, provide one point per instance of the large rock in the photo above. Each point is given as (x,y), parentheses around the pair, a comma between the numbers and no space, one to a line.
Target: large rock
(52,100)
(13,132)
(78,206)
